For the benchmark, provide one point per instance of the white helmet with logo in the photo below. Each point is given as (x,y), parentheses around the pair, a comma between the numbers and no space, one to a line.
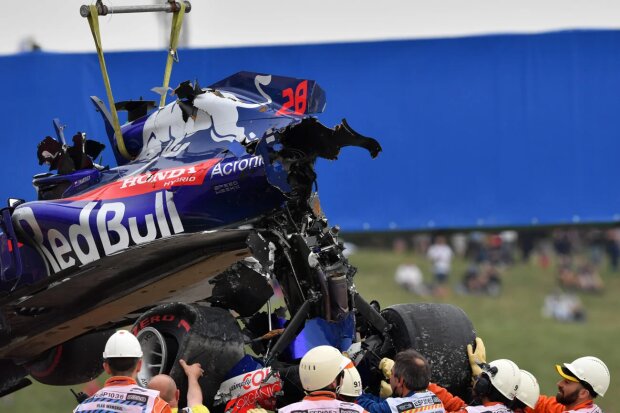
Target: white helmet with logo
(122,344)
(504,376)
(351,382)
(528,390)
(588,369)
(320,366)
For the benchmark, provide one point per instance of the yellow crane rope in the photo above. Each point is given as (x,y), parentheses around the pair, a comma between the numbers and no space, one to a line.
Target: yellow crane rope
(93,21)
(175,30)
(177,23)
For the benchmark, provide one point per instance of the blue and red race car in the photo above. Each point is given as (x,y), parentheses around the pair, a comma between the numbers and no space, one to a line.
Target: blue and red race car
(210,210)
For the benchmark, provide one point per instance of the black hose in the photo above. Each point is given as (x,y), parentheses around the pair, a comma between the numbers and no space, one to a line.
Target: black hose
(290,331)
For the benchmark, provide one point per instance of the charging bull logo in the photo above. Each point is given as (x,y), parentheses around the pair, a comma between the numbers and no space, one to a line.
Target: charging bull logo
(165,131)
(99,228)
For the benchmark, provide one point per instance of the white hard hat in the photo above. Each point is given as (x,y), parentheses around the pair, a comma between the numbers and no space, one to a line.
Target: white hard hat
(505,377)
(587,369)
(320,366)
(122,344)
(528,390)
(351,382)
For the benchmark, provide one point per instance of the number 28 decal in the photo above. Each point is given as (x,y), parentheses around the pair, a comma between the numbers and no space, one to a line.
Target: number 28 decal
(296,101)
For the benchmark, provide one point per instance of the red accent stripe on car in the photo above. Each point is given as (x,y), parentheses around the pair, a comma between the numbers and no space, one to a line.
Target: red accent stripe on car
(52,367)
(187,175)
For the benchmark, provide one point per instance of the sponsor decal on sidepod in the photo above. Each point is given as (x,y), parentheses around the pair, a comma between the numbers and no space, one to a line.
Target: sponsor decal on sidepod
(81,243)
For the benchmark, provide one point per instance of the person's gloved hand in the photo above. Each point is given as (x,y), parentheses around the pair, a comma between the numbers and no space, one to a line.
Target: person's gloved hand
(385,365)
(476,357)
(385,390)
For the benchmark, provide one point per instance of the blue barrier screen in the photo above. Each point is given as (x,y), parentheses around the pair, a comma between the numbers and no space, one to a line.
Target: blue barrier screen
(514,130)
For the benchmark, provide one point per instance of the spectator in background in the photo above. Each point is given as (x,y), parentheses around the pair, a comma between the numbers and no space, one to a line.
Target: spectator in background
(471,280)
(440,255)
(421,243)
(527,241)
(399,245)
(494,249)
(545,252)
(491,279)
(409,276)
(509,242)
(588,278)
(613,247)
(567,279)
(476,250)
(563,246)
(564,307)
(595,240)
(459,242)
(483,279)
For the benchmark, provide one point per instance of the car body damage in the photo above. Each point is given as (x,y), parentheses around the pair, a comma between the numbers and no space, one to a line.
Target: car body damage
(187,241)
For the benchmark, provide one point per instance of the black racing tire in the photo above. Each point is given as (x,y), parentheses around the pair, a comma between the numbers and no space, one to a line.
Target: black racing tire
(197,334)
(441,333)
(76,361)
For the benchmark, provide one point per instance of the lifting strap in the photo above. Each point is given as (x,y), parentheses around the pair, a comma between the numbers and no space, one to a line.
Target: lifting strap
(175,30)
(177,23)
(93,21)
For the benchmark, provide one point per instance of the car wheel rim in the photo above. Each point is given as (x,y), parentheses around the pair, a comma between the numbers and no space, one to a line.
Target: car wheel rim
(154,354)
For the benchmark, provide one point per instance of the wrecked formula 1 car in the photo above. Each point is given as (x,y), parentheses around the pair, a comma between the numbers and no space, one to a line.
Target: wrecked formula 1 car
(211,209)
(187,239)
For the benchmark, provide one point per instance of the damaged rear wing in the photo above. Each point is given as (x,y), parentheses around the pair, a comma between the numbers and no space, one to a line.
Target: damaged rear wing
(287,96)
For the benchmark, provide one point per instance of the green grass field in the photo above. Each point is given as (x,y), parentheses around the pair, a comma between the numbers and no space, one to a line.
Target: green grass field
(511,325)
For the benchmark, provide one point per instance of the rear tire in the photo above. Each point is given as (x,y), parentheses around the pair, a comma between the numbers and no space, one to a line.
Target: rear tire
(197,334)
(76,361)
(441,333)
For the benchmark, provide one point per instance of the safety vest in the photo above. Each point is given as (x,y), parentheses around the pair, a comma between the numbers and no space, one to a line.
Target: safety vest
(200,408)
(120,395)
(590,408)
(489,408)
(549,404)
(425,401)
(323,402)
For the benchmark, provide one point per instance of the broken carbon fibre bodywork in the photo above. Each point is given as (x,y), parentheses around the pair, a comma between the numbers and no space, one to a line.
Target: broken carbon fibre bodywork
(214,212)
